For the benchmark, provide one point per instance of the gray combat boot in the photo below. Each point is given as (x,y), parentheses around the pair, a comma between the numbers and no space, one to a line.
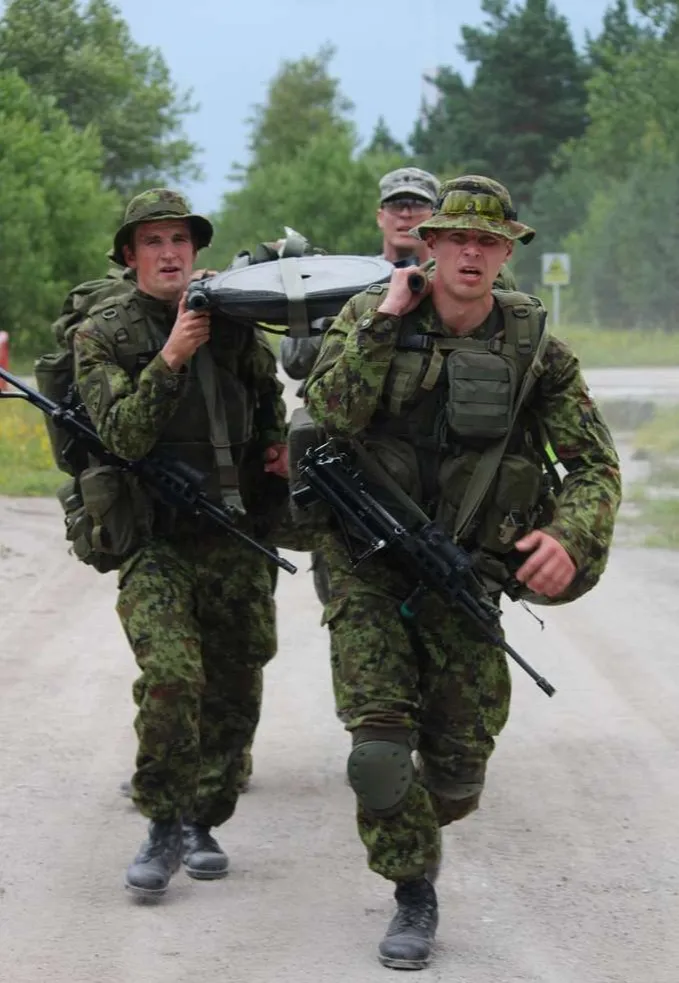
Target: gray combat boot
(410,936)
(158,859)
(203,857)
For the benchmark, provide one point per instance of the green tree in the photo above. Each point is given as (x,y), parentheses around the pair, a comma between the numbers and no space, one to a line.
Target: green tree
(619,36)
(382,141)
(625,253)
(527,97)
(327,192)
(55,216)
(88,64)
(303,100)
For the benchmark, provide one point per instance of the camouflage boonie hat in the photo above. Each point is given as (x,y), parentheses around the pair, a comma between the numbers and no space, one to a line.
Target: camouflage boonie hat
(157,205)
(411,182)
(476,202)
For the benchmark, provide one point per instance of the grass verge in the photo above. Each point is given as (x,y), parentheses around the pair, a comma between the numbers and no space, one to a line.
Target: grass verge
(658,499)
(26,465)
(599,348)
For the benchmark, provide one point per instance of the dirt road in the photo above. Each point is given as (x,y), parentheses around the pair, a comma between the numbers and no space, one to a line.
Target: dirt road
(569,873)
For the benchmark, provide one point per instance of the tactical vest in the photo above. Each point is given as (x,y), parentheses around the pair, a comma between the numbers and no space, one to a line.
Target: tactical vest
(453,429)
(137,338)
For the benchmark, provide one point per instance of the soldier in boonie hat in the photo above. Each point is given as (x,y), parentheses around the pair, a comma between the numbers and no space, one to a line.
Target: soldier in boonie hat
(476,202)
(158,205)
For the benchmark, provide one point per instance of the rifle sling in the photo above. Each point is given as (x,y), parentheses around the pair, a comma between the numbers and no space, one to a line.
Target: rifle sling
(219,430)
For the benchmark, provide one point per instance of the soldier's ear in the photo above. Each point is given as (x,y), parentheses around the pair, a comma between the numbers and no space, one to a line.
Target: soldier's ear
(129,257)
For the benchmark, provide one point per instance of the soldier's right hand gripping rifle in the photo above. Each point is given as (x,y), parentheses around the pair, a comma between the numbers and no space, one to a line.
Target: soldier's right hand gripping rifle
(425,553)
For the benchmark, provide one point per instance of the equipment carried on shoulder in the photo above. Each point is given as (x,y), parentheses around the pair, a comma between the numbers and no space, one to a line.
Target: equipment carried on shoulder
(175,483)
(291,291)
(424,552)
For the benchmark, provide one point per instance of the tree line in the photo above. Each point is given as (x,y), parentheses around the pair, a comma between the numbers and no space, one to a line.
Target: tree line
(587,141)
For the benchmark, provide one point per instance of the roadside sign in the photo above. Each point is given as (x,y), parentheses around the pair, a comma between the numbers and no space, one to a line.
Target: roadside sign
(556,269)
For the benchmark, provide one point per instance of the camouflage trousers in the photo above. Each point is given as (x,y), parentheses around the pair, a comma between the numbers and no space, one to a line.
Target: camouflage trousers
(199,615)
(443,690)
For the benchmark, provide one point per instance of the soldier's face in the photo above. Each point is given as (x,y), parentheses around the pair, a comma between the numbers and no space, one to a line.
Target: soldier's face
(467,260)
(396,217)
(162,253)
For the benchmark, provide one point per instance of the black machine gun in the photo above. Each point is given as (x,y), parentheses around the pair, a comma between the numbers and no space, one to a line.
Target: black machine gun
(426,553)
(176,484)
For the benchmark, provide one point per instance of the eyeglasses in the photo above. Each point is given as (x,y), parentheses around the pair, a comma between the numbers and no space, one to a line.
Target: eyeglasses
(416,206)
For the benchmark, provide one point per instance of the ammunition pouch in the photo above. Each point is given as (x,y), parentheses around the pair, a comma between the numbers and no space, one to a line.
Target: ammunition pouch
(512,507)
(107,515)
(481,394)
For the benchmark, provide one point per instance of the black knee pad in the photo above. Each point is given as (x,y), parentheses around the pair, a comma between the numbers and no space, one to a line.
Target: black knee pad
(381,773)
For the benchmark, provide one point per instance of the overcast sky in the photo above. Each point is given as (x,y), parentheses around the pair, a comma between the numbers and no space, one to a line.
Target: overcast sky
(228,50)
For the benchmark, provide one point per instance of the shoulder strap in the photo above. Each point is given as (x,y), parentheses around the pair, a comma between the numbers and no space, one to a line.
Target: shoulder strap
(219,430)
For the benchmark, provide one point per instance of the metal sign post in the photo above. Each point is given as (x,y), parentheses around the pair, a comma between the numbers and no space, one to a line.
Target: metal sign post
(556,273)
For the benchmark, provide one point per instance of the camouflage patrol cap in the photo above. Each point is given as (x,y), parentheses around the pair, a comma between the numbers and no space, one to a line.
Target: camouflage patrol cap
(157,205)
(411,182)
(476,202)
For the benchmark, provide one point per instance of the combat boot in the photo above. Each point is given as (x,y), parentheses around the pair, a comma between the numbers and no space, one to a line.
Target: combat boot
(410,936)
(158,859)
(203,857)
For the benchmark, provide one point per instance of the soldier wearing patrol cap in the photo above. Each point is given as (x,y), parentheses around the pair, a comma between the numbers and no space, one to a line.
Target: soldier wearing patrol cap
(195,602)
(452,392)
(407,196)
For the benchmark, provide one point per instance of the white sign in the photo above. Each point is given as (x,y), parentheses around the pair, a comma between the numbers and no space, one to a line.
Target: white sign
(556,269)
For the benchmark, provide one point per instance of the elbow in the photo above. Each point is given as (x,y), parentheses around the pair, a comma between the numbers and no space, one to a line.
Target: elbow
(130,447)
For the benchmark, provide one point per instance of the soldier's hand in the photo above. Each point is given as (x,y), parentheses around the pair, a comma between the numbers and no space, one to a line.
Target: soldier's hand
(400,298)
(189,332)
(549,569)
(276,460)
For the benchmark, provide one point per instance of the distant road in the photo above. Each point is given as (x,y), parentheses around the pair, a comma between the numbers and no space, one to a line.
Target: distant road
(658,384)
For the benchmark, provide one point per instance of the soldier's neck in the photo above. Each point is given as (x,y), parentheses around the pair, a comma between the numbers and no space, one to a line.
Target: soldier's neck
(394,254)
(460,317)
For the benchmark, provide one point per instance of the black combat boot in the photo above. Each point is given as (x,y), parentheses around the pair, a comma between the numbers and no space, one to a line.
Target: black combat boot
(409,938)
(203,857)
(158,859)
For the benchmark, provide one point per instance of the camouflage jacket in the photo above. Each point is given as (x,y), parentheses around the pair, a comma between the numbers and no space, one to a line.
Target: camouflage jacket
(346,394)
(136,402)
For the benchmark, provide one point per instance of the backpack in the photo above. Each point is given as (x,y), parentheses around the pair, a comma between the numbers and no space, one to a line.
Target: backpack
(54,371)
(92,494)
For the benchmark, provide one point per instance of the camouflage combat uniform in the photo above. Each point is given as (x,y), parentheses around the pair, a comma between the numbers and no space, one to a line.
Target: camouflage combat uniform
(195,603)
(438,686)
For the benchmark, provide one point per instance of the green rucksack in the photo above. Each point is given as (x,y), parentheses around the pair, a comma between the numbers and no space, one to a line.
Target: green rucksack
(93,495)
(54,370)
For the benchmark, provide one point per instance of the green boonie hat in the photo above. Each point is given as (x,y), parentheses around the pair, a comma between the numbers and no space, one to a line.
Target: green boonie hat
(157,205)
(476,202)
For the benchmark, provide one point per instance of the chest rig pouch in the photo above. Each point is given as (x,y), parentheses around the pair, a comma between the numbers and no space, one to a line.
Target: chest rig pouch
(483,376)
